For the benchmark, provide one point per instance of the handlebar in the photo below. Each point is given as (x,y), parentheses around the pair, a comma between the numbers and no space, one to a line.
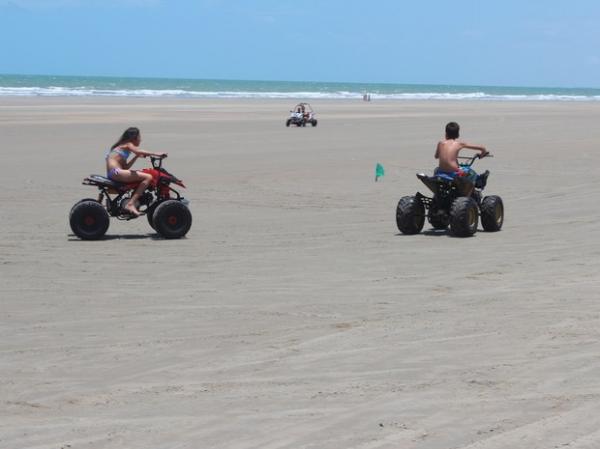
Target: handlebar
(157,160)
(471,160)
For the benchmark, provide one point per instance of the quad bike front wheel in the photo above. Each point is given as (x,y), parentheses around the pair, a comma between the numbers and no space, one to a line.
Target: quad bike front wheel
(464,217)
(410,215)
(313,122)
(89,220)
(150,214)
(492,213)
(438,221)
(288,122)
(172,219)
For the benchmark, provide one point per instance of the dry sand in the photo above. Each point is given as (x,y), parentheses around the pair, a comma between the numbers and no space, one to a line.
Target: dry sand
(294,315)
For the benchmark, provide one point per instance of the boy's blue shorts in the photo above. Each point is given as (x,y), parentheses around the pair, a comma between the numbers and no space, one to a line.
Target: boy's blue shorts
(467,172)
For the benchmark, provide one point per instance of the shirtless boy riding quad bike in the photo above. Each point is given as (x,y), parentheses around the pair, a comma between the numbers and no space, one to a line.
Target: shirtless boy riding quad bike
(457,193)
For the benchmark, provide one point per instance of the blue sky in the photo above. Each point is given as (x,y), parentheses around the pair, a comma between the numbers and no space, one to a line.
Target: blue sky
(509,42)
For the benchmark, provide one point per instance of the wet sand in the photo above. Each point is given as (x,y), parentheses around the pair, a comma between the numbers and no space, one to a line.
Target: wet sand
(294,315)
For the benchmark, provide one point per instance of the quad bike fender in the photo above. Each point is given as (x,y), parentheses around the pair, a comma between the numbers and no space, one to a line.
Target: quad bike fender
(154,173)
(430,182)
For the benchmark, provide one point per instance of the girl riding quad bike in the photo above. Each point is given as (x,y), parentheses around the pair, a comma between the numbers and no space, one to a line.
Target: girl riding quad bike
(166,210)
(456,202)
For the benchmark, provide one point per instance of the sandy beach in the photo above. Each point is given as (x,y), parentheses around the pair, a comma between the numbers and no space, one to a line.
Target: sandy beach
(294,315)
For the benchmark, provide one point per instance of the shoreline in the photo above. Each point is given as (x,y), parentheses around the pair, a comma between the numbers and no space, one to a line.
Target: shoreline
(117,100)
(300,98)
(34,85)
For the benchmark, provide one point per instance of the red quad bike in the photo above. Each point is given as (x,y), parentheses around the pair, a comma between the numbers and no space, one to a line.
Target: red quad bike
(168,215)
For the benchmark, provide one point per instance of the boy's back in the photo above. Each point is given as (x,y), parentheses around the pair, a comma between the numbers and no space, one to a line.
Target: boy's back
(447,150)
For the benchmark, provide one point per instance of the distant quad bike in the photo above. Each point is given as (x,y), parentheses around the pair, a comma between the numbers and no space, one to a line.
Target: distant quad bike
(168,215)
(301,115)
(456,203)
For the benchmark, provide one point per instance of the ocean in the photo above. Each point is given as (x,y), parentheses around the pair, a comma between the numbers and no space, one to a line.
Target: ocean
(90,86)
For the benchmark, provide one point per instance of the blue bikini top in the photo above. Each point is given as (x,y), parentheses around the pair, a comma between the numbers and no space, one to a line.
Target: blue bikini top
(120,151)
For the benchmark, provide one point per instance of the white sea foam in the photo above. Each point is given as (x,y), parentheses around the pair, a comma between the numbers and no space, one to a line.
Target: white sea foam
(339,95)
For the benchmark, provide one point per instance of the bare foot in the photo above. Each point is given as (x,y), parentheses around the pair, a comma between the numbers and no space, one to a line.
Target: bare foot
(132,210)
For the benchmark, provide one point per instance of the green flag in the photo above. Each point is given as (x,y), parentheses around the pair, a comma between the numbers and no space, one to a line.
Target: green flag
(379,171)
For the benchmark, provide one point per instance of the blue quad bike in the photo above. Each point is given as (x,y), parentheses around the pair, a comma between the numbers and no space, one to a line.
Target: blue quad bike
(456,203)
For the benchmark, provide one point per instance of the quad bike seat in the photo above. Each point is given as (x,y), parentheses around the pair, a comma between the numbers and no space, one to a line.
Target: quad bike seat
(101,180)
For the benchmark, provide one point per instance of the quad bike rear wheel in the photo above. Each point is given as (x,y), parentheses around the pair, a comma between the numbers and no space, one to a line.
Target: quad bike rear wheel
(410,215)
(492,213)
(81,201)
(464,217)
(89,220)
(172,219)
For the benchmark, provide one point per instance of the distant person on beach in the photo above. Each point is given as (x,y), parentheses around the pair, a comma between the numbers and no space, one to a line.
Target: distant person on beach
(447,152)
(304,113)
(118,168)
